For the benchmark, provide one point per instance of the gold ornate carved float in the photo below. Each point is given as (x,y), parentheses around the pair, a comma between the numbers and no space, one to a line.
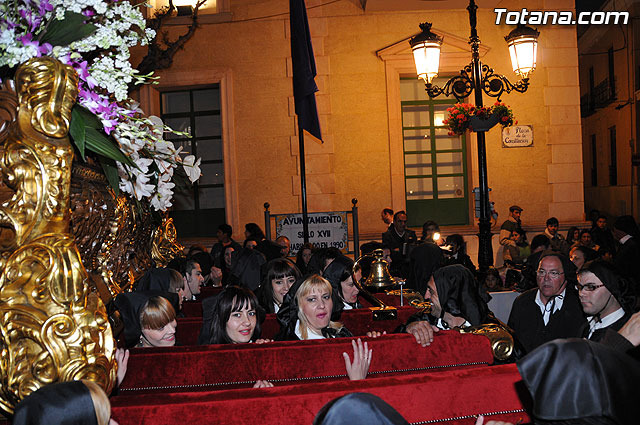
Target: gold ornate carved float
(53,327)
(68,244)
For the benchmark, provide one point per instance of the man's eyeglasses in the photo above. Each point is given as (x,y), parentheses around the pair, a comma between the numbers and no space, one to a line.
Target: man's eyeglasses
(553,274)
(589,287)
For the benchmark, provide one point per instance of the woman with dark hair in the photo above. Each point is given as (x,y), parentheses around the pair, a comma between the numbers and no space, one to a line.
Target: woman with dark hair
(573,234)
(455,252)
(280,275)
(250,243)
(581,254)
(321,258)
(227,275)
(304,256)
(253,231)
(492,281)
(237,317)
(431,233)
(585,239)
(340,274)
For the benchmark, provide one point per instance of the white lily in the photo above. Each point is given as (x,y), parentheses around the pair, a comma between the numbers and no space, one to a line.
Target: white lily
(191,167)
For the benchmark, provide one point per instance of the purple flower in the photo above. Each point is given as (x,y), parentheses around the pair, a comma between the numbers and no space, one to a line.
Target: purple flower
(44,7)
(45,49)
(26,40)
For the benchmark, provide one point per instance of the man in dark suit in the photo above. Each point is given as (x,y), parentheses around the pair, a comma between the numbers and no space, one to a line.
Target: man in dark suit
(552,310)
(398,237)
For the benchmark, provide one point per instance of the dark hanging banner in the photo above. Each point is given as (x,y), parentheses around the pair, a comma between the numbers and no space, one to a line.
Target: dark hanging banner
(304,69)
(304,88)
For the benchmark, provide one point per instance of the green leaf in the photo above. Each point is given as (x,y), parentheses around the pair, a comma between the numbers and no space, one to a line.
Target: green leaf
(111,172)
(90,119)
(99,143)
(71,28)
(77,130)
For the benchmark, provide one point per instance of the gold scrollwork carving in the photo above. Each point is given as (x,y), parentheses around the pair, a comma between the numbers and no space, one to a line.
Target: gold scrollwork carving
(502,343)
(52,326)
(164,244)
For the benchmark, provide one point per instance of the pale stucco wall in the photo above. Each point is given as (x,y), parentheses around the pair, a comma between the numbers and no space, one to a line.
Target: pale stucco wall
(253,59)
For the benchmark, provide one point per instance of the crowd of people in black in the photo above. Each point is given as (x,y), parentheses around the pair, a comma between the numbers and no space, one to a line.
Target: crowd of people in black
(575,287)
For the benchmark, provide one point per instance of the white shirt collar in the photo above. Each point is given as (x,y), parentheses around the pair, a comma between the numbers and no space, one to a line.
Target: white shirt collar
(442,325)
(276,308)
(546,312)
(310,335)
(347,306)
(605,321)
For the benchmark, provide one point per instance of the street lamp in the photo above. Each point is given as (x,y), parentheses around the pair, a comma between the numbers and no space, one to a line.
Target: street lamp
(477,78)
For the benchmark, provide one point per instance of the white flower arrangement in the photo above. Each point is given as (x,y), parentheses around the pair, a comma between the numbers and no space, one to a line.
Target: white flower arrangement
(94,37)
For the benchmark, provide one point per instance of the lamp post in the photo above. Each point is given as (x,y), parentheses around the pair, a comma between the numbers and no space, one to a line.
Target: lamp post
(477,78)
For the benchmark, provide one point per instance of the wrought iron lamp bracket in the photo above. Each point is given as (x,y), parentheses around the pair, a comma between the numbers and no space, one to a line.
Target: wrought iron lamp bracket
(462,85)
(495,84)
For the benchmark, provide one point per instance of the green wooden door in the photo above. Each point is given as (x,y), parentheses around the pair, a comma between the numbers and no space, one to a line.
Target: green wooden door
(435,165)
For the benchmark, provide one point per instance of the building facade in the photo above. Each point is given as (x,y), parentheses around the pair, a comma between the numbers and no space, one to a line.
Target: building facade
(609,93)
(384,142)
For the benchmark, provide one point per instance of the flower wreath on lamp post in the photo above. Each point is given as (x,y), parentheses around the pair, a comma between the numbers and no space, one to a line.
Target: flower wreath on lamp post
(477,78)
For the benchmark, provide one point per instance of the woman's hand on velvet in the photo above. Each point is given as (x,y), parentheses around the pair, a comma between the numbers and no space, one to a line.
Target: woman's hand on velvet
(422,331)
(262,384)
(375,334)
(480,421)
(122,358)
(359,368)
(263,340)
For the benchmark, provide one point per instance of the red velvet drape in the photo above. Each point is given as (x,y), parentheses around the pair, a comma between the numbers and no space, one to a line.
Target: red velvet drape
(442,396)
(223,364)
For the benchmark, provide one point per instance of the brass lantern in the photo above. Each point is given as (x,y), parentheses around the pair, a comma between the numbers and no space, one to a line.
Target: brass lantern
(426,53)
(523,49)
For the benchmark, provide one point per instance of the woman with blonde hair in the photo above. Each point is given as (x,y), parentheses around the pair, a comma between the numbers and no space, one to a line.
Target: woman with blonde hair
(310,311)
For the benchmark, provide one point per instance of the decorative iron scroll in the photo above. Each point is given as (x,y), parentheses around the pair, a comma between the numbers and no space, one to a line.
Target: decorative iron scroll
(52,326)
(492,84)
